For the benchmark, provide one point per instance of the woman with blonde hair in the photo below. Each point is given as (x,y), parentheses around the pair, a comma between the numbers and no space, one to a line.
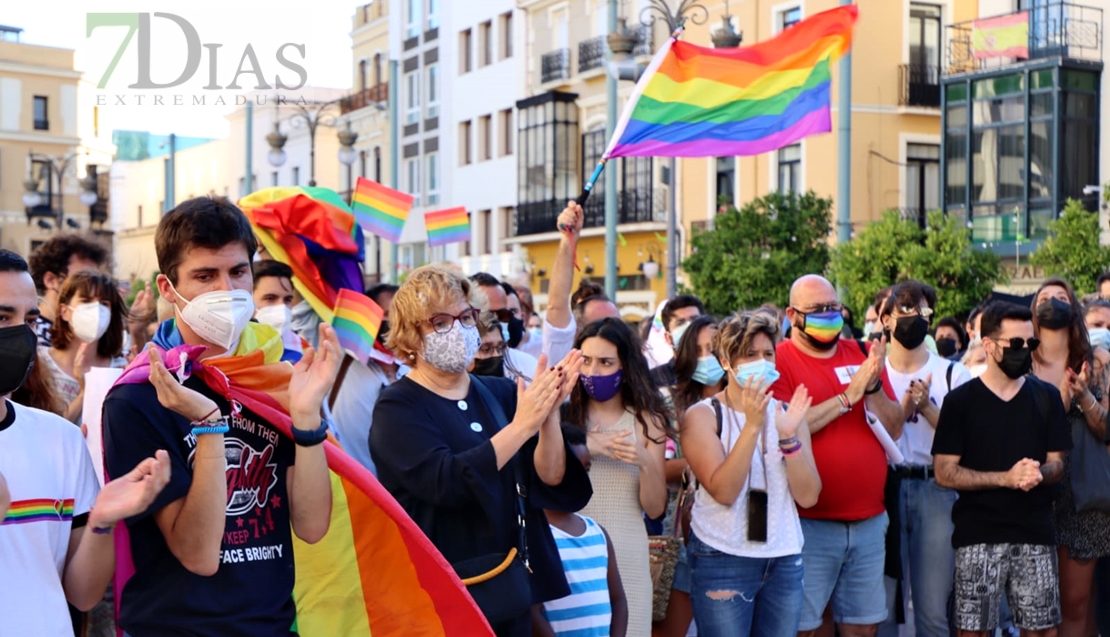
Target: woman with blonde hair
(754,464)
(464,455)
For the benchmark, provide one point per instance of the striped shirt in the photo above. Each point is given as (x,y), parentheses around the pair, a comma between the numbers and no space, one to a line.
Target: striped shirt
(586,612)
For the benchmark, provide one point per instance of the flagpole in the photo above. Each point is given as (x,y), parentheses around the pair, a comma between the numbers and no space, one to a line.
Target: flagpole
(611,213)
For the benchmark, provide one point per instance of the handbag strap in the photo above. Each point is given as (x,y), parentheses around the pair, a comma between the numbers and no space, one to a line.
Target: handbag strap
(498,413)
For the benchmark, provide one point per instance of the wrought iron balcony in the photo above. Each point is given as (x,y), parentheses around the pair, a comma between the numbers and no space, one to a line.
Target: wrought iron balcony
(919,85)
(555,65)
(591,54)
(369,96)
(633,206)
(1052,29)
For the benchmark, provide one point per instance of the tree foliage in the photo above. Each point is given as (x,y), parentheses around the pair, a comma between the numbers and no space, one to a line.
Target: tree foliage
(1072,249)
(893,249)
(754,254)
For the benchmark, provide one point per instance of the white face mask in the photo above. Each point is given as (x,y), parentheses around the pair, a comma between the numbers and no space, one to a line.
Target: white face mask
(279,317)
(90,321)
(219,317)
(676,333)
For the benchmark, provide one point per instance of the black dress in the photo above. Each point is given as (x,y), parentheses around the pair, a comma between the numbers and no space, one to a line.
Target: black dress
(435,457)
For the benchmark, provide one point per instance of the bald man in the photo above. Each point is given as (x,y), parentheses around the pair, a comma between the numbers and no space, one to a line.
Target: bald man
(845,531)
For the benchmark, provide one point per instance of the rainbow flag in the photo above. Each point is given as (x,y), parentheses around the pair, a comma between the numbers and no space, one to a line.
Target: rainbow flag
(357,321)
(695,101)
(1006,36)
(447,226)
(380,210)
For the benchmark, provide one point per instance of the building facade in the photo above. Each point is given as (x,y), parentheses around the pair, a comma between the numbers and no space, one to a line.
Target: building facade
(51,148)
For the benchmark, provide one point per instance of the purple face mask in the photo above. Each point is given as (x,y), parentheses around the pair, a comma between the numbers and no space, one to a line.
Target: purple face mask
(601,388)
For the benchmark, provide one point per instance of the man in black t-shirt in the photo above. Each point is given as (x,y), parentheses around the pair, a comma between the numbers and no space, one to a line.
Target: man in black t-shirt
(1000,442)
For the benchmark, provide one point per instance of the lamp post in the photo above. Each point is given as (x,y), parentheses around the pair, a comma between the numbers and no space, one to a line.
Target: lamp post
(54,167)
(347,139)
(312,116)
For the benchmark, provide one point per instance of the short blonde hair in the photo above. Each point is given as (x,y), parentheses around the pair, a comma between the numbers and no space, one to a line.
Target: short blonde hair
(426,289)
(488,322)
(735,333)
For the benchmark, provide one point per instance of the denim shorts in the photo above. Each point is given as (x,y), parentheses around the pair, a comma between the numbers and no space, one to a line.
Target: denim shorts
(682,572)
(844,565)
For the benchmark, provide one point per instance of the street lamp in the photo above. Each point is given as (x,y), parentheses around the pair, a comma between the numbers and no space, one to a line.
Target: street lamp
(347,139)
(52,167)
(312,116)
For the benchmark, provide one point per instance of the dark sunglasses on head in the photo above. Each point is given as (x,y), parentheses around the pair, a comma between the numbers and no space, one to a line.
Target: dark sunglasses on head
(506,314)
(1019,343)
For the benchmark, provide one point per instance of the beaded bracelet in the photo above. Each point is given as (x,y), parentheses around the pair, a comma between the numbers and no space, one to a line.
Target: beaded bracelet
(102,530)
(845,404)
(787,442)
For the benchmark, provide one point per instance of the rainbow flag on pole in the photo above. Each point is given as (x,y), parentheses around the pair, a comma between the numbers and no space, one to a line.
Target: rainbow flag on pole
(447,226)
(380,210)
(695,101)
(357,322)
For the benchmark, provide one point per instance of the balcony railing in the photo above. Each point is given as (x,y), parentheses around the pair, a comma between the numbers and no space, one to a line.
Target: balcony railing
(555,65)
(645,44)
(1054,29)
(633,206)
(919,85)
(369,96)
(591,54)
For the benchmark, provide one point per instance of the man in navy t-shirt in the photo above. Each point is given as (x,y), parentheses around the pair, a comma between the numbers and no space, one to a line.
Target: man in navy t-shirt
(214,554)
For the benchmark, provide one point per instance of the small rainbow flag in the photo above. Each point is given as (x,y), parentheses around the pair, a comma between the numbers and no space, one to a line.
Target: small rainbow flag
(39,510)
(357,322)
(380,210)
(447,226)
(695,101)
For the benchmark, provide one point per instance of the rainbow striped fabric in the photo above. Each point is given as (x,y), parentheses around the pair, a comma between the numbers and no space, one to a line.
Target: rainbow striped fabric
(40,510)
(696,101)
(380,210)
(447,226)
(357,322)
(375,573)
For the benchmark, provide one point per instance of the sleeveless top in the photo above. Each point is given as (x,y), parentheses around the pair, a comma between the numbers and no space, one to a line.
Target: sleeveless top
(586,612)
(725,528)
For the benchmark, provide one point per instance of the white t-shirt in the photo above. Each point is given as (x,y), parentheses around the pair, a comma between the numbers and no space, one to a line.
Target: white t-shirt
(916,443)
(51,478)
(352,416)
(533,346)
(557,342)
(523,363)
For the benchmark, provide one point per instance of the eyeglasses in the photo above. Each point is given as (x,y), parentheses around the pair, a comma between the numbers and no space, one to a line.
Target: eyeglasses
(821,309)
(923,312)
(507,314)
(492,349)
(1018,343)
(442,323)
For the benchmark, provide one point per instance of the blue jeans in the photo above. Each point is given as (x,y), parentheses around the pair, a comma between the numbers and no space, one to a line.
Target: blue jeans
(928,559)
(844,565)
(741,596)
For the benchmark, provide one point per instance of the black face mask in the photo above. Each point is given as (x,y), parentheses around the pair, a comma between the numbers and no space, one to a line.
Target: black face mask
(1054,314)
(383,332)
(1016,362)
(17,356)
(516,331)
(492,366)
(910,331)
(946,347)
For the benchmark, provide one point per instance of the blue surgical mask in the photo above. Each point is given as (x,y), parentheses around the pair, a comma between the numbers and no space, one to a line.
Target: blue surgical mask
(762,370)
(676,333)
(709,371)
(536,333)
(1100,337)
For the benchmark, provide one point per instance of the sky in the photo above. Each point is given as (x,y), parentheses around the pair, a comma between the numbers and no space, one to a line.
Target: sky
(227,27)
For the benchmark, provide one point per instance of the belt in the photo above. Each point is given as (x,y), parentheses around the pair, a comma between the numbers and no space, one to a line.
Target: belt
(913,472)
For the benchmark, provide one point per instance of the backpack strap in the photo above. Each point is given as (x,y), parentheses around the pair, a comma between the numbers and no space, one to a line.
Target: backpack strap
(863,348)
(948,374)
(343,368)
(720,417)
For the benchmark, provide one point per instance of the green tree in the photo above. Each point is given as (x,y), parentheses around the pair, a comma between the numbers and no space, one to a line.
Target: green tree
(754,254)
(893,249)
(1072,250)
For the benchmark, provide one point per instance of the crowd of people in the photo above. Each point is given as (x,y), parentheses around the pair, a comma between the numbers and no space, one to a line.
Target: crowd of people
(923,473)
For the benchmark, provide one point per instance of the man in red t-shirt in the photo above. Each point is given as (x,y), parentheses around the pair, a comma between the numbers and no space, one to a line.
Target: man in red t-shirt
(845,532)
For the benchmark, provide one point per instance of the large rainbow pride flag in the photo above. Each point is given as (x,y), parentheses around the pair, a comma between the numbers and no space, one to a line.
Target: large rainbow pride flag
(695,101)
